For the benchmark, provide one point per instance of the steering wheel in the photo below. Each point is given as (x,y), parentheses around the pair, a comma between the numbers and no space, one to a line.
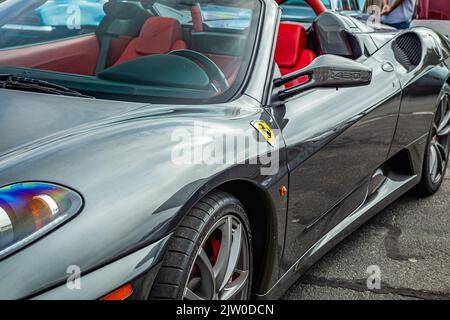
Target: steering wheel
(215,74)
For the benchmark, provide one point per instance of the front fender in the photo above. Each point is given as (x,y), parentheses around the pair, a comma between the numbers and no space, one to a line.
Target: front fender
(134,193)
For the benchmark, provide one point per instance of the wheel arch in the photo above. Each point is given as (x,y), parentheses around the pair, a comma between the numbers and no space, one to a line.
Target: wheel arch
(262,215)
(264,222)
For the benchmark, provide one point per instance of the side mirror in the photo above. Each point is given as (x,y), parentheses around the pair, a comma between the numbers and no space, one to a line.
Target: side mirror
(327,71)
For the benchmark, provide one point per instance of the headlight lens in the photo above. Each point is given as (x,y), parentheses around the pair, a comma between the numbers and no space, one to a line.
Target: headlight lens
(30,210)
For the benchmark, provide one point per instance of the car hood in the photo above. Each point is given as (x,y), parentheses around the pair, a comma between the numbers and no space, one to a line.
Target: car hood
(28,118)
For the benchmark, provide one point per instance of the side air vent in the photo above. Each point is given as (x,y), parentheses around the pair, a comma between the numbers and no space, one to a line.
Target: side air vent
(408,51)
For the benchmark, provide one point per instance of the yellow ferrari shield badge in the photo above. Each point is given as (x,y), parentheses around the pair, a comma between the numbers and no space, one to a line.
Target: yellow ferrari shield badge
(264,129)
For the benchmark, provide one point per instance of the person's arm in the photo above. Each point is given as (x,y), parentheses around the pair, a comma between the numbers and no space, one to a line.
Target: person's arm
(389,8)
(385,8)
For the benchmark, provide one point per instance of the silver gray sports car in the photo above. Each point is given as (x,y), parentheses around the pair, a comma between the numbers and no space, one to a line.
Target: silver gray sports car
(211,157)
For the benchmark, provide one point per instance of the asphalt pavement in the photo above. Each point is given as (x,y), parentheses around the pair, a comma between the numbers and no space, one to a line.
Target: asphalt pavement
(406,248)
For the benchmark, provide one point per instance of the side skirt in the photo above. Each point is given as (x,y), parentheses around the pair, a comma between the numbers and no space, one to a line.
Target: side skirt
(394,187)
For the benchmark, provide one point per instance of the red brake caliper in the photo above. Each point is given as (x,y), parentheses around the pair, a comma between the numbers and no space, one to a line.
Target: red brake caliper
(215,246)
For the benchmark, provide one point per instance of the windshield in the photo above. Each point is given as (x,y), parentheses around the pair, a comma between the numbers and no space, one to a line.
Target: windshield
(149,50)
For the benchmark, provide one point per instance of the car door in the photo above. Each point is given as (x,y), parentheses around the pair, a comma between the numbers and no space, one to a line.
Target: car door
(336,139)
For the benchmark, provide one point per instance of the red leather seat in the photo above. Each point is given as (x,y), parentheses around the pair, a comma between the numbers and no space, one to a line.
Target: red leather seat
(291,53)
(158,36)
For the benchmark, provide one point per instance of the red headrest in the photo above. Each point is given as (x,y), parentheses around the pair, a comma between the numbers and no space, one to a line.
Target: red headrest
(158,35)
(291,42)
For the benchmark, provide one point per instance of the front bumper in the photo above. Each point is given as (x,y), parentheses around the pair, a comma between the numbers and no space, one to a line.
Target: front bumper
(139,268)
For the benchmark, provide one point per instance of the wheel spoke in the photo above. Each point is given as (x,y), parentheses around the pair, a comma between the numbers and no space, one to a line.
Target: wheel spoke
(433,162)
(220,268)
(444,131)
(442,149)
(235,253)
(208,284)
(440,161)
(443,127)
(435,128)
(190,295)
(237,285)
(443,109)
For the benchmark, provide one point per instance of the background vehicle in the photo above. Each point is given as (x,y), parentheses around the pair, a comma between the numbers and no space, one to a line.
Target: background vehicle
(434,14)
(95,176)
(300,11)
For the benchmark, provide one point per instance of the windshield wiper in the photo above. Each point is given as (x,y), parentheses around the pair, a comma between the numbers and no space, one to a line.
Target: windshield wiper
(9,81)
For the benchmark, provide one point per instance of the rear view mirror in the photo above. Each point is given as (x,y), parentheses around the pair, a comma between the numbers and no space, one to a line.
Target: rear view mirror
(327,71)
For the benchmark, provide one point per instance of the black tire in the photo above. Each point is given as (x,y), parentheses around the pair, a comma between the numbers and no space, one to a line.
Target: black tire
(431,183)
(193,236)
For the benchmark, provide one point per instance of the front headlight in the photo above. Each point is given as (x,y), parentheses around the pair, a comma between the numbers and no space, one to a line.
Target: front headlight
(30,210)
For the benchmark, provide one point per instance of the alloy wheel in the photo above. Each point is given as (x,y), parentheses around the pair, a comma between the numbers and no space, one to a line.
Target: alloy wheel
(440,142)
(221,269)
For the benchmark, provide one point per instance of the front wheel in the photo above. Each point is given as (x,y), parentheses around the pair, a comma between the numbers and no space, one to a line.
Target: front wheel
(210,254)
(438,148)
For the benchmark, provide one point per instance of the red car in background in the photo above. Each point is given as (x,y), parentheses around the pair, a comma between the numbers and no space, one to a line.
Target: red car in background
(434,14)
(433,10)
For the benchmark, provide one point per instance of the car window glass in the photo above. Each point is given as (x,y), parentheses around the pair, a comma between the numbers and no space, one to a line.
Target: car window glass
(214,16)
(157,50)
(41,21)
